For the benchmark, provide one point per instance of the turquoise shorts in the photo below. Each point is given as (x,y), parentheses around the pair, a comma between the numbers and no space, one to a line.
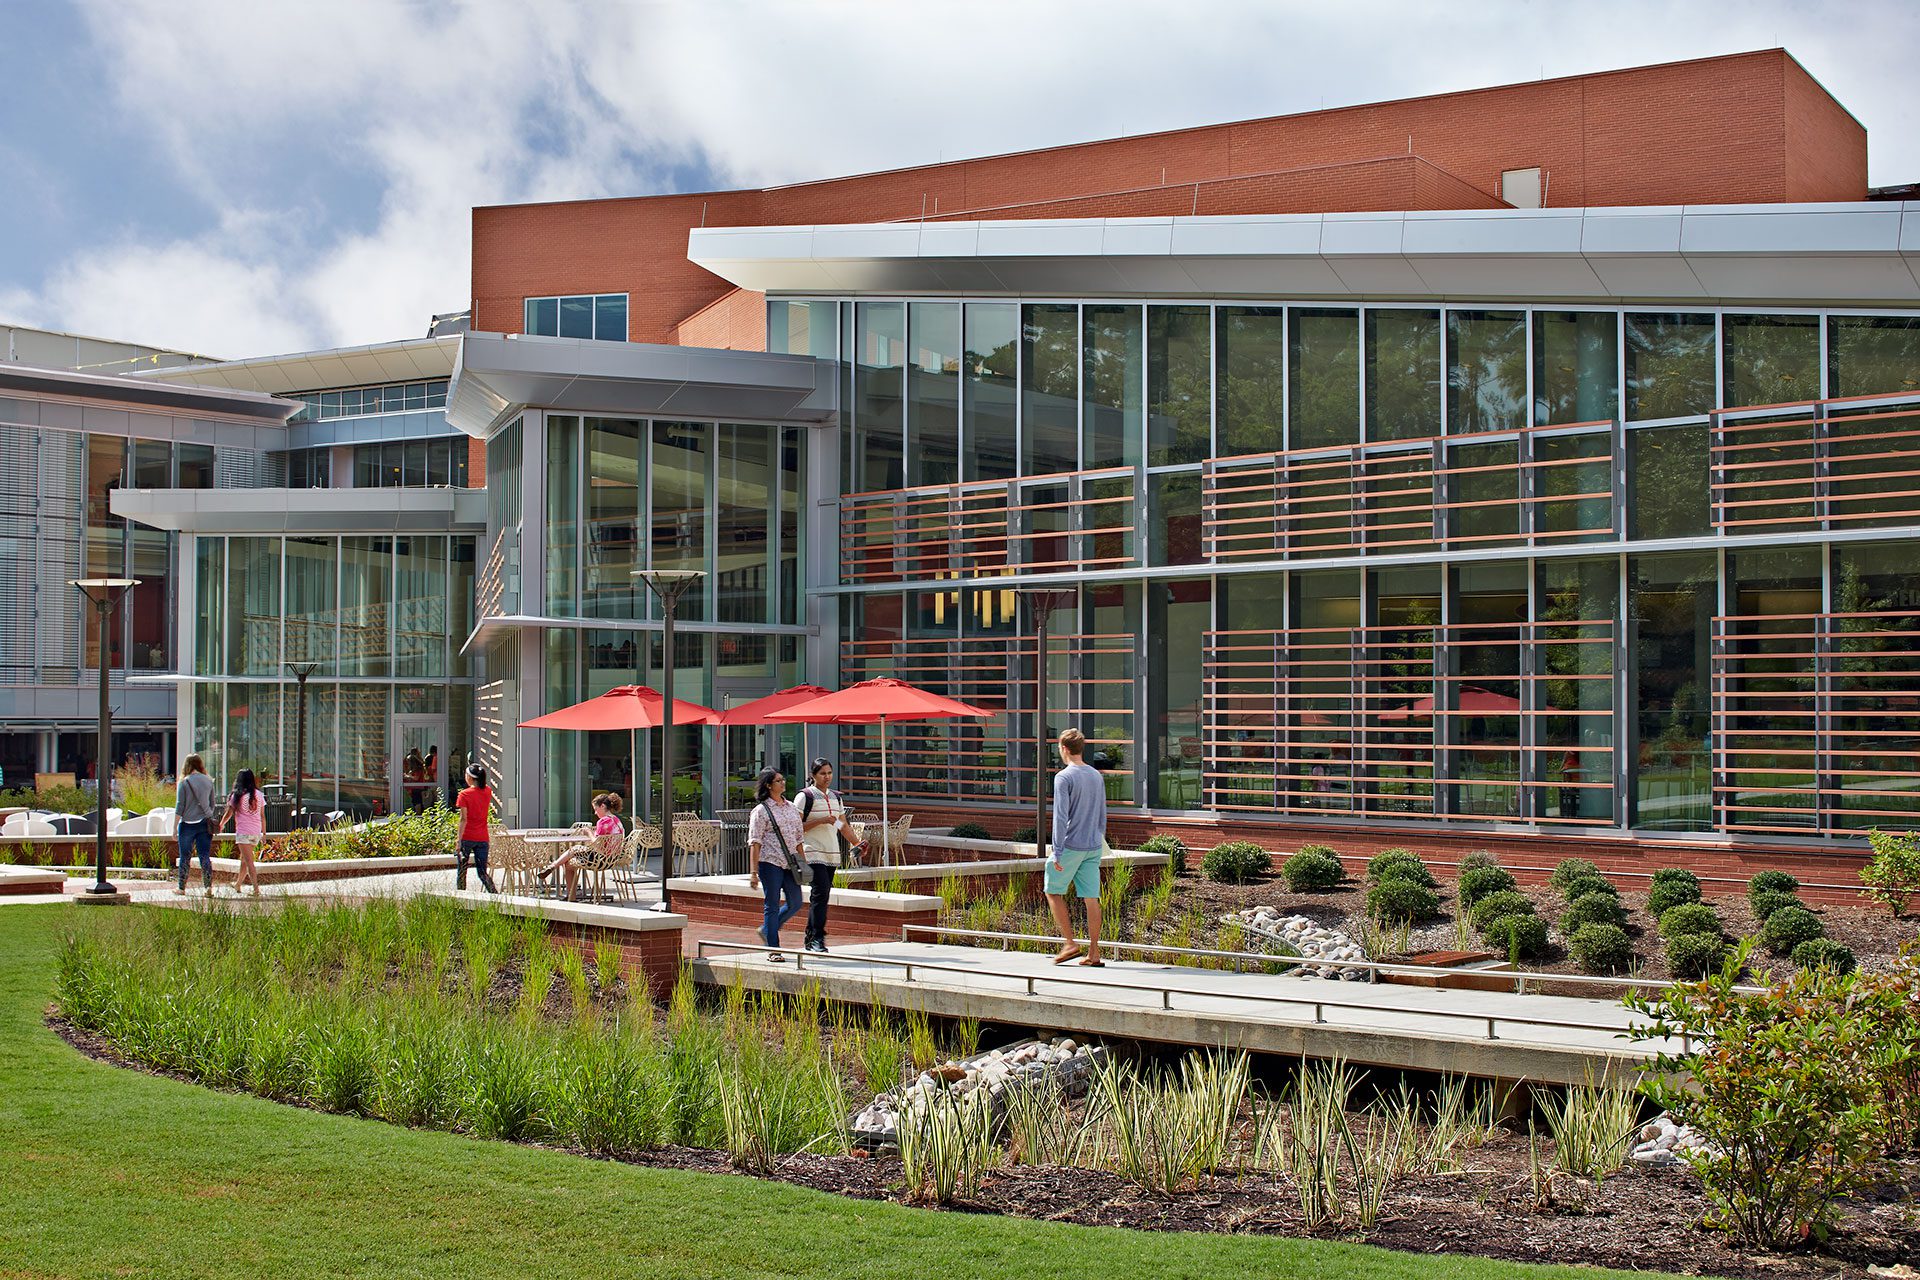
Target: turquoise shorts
(1077,867)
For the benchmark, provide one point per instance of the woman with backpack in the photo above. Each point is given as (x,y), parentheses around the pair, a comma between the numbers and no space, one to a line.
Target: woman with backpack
(247,807)
(773,845)
(828,841)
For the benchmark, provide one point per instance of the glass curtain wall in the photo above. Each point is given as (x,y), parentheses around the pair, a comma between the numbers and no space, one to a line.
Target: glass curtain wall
(933,402)
(1050,390)
(989,398)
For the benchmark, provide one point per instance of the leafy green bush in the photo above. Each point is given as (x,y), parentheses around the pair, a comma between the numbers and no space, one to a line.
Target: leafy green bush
(1571,869)
(1592,908)
(1236,862)
(1824,953)
(403,835)
(1781,1087)
(1171,846)
(1693,956)
(1507,902)
(1600,948)
(970,831)
(1672,888)
(1398,899)
(1581,886)
(1689,917)
(1771,882)
(1024,835)
(1893,875)
(1520,936)
(1312,870)
(1479,882)
(1768,901)
(1477,859)
(1788,927)
(1400,864)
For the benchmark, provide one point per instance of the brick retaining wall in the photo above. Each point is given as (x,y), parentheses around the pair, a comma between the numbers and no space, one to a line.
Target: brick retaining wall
(842,921)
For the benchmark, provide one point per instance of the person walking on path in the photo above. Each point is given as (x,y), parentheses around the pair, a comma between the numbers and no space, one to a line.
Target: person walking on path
(773,844)
(1079,837)
(247,807)
(193,817)
(475,804)
(828,840)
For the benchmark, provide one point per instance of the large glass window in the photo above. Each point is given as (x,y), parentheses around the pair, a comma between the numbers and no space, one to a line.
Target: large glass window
(1179,385)
(601,316)
(1396,672)
(1486,371)
(801,328)
(1668,478)
(993,336)
(563,514)
(311,580)
(933,404)
(1670,365)
(879,411)
(613,517)
(1320,767)
(1115,385)
(1175,520)
(1576,367)
(1670,608)
(1403,374)
(1573,730)
(1873,760)
(1050,369)
(1770,688)
(1324,377)
(1480,730)
(678,538)
(366,607)
(195,466)
(1483,493)
(420,606)
(1176,613)
(743,504)
(1873,355)
(1252,400)
(462,565)
(790,446)
(1771,359)
(210,600)
(106,538)
(253,606)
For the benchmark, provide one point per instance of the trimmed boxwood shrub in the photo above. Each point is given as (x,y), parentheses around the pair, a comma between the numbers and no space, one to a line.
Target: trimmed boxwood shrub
(1771,882)
(1689,917)
(1580,886)
(1571,869)
(1672,888)
(1600,948)
(1477,859)
(1507,902)
(1236,862)
(1400,864)
(970,831)
(1312,870)
(1397,899)
(1517,935)
(1592,908)
(1025,835)
(1171,846)
(1479,882)
(1788,927)
(1823,953)
(1693,956)
(1768,901)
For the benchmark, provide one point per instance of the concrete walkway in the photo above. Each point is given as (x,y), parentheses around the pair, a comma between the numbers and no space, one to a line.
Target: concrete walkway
(1550,1039)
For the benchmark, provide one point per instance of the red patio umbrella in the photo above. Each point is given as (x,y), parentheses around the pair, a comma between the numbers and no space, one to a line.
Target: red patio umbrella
(1474,701)
(630,707)
(757,711)
(880,702)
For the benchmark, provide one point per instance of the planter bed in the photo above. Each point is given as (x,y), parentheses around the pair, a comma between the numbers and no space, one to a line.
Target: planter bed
(981,876)
(851,913)
(648,941)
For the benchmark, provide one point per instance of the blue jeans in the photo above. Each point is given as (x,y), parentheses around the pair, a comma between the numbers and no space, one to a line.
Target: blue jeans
(775,883)
(196,835)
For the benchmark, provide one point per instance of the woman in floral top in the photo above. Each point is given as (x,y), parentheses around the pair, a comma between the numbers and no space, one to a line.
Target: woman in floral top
(773,843)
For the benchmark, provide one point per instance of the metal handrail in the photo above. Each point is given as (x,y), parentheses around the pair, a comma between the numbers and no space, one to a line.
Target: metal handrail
(1318,1004)
(1520,977)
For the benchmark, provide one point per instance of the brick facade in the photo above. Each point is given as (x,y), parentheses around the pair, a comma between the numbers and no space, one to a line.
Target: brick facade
(652,957)
(844,922)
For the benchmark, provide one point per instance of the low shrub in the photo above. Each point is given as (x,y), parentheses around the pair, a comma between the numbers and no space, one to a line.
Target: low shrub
(1768,901)
(1025,835)
(1788,927)
(1600,948)
(1592,908)
(1823,953)
(1693,956)
(1508,902)
(1477,859)
(1689,918)
(1397,899)
(1581,886)
(1400,864)
(1771,882)
(1480,882)
(1571,869)
(1520,936)
(970,831)
(1892,877)
(1672,888)
(1312,870)
(1236,862)
(1169,845)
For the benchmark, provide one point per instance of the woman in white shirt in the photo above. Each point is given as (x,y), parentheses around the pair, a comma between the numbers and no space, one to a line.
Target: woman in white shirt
(826,838)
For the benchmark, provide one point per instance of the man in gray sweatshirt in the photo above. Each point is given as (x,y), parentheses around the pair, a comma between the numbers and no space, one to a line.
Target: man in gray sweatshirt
(1079,837)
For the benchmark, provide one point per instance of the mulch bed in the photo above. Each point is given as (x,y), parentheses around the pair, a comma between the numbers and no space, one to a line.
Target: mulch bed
(1638,1219)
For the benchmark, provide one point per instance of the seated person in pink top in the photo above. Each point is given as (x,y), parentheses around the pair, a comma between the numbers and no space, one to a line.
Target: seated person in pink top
(607,834)
(248,809)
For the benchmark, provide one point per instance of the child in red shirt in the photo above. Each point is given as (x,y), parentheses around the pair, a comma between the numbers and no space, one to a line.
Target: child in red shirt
(474,803)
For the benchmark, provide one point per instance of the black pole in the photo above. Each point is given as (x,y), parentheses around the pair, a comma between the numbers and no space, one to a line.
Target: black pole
(103,769)
(301,670)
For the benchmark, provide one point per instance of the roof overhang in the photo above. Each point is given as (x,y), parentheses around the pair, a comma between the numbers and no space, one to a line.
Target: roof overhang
(1733,254)
(384,362)
(496,376)
(138,392)
(272,511)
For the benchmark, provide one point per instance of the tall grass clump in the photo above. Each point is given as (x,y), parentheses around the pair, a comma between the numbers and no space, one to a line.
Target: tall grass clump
(946,1146)
(1593,1126)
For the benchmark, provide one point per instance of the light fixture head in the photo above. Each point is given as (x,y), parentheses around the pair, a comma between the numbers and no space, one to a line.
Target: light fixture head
(669,583)
(103,584)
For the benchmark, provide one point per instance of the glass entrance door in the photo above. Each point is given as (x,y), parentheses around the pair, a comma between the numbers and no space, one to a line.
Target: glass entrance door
(419,762)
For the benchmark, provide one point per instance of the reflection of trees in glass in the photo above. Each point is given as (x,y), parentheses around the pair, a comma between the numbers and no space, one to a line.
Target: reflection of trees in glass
(1179,385)
(990,367)
(1670,365)
(1576,371)
(1670,482)
(1112,385)
(1324,357)
(1403,374)
(1486,370)
(1252,383)
(1050,359)
(1873,355)
(1771,359)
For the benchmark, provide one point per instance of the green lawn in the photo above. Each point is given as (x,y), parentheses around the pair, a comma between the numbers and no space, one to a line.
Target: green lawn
(105,1172)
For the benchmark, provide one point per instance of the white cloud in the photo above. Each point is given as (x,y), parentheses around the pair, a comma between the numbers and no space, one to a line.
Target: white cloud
(445,106)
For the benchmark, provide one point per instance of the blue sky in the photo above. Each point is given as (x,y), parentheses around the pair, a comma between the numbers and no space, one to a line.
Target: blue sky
(248,176)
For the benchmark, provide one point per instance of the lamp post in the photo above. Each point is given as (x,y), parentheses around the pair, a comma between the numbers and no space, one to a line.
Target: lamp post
(668,585)
(1040,604)
(103,594)
(301,670)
